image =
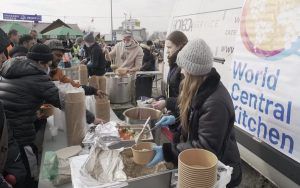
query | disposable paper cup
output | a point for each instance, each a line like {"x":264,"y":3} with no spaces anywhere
{"x":143,"y":152}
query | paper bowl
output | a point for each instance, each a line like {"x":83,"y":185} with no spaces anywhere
{"x":143,"y":152}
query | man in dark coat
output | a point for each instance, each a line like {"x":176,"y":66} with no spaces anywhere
{"x":97,"y":64}
{"x":24,"y":87}
{"x":12,"y":170}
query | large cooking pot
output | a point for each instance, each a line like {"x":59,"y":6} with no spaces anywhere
{"x":119,"y":88}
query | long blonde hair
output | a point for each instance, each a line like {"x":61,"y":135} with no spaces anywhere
{"x":188,"y":89}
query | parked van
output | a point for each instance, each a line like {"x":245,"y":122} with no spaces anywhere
{"x":256,"y":48}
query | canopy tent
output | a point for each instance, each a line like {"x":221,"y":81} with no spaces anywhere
{"x":63,"y":31}
{"x":9,"y":26}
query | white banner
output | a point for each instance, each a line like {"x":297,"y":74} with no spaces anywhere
{"x":265,"y":73}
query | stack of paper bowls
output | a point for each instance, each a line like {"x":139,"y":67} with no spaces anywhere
{"x":197,"y":168}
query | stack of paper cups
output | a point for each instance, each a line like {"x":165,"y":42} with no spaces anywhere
{"x":83,"y":75}
{"x":75,"y":117}
{"x":197,"y":168}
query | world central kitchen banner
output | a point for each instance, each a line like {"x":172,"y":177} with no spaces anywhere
{"x":265,"y":74}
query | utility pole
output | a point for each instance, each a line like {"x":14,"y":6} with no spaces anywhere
{"x":125,"y":25}
{"x":111,"y":21}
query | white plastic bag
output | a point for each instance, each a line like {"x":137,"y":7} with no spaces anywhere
{"x":59,"y":119}
{"x":90,"y":103}
{"x":106,"y":166}
{"x":52,"y":127}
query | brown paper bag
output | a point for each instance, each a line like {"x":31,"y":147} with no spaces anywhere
{"x":102,"y":107}
{"x":102,"y":83}
{"x":83,"y":75}
{"x":75,"y":96}
{"x":93,"y":81}
{"x":98,"y":82}
{"x":75,"y":122}
{"x":75,"y":117}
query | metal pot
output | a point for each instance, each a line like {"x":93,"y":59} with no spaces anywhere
{"x":119,"y":88}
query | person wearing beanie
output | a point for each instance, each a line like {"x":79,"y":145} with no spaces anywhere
{"x":175,"y":41}
{"x":97,"y":64}
{"x":206,"y":112}
{"x":56,"y":74}
{"x":9,"y":168}
{"x":24,"y":87}
{"x":127,"y":53}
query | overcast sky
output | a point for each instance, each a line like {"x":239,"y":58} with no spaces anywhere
{"x":153,"y":14}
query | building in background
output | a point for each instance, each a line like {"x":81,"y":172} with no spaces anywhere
{"x":42,"y":28}
{"x":134,"y":25}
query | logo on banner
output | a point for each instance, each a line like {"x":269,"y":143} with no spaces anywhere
{"x":269,"y":33}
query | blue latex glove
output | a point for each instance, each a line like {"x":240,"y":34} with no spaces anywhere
{"x":166,"y":121}
{"x":158,"y":157}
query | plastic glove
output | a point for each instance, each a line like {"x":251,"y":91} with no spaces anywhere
{"x":166,"y":121}
{"x":159,"y":156}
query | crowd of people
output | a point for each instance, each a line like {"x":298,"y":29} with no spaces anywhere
{"x":200,"y":110}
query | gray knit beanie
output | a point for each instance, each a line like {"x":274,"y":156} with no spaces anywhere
{"x":89,"y":37}
{"x":195,"y":58}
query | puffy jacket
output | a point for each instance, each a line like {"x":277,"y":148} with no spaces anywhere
{"x":24,"y":87}
{"x":211,"y":127}
{"x":3,"y":138}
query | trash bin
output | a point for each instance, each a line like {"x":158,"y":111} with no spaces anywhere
{"x":143,"y":86}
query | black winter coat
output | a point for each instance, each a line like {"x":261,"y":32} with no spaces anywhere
{"x":24,"y":87}
{"x":148,"y":61}
{"x":3,"y":138}
{"x":211,"y":120}
{"x":97,"y":65}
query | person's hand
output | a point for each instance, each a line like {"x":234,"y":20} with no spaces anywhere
{"x":131,"y":71}
{"x":159,"y":105}
{"x":101,"y":94}
{"x":41,"y":115}
{"x":8,"y":181}
{"x":166,"y":121}
{"x":158,"y":157}
{"x":83,"y":61}
{"x":98,"y":121}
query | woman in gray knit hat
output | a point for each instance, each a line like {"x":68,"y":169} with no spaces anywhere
{"x":206,"y":112}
